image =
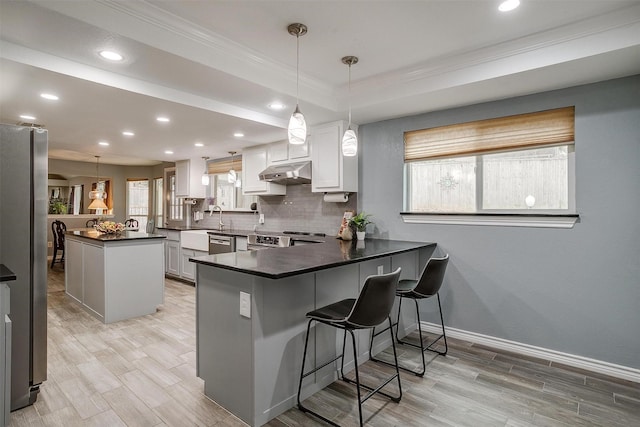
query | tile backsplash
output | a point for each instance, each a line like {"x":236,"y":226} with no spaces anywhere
{"x":299,"y":210}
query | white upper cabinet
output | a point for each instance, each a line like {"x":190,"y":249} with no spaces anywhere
{"x":254,"y":161}
{"x":189,"y":179}
{"x":283,"y":152}
{"x":330,"y":170}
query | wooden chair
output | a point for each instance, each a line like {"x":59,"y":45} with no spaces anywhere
{"x":58,"y":228}
{"x":131,"y":223}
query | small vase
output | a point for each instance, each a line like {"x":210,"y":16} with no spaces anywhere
{"x":360,"y":235}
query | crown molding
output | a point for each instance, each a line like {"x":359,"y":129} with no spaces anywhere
{"x":608,"y":32}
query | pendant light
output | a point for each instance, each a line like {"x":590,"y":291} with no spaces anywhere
{"x":350,"y":139}
{"x":205,"y":174}
{"x":297,"y":129}
{"x":232,"y":177}
{"x":98,"y":195}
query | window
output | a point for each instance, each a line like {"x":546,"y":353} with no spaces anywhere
{"x":138,"y":201}
{"x":511,"y":165}
{"x":226,"y":194}
{"x":158,"y":200}
{"x":175,"y":206}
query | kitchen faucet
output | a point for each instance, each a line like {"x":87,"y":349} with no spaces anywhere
{"x":220,"y":224}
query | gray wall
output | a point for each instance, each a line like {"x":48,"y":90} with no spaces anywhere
{"x":575,"y":291}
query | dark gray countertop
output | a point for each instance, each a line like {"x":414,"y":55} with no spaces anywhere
{"x":284,"y":262}
{"x":6,"y":275}
{"x":125,"y":235}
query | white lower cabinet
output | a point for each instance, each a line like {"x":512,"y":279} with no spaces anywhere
{"x":188,"y":268}
{"x":172,"y":253}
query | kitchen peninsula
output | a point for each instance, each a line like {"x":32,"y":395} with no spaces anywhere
{"x":250,"y":317}
{"x":115,"y":277}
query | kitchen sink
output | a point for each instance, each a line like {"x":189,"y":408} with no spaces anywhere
{"x":195,"y":239}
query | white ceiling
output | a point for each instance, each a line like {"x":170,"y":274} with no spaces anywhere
{"x":214,"y":66}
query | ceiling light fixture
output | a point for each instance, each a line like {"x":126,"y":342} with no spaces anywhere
{"x":98,"y":195}
{"x":128,"y":133}
{"x":205,"y":174}
{"x":508,"y":5}
{"x":349,"y":139}
{"x":238,"y":134}
{"x":276,"y":106}
{"x":297,"y":124}
{"x":104,"y":143}
{"x":163,"y":119}
{"x":199,"y":144}
{"x":168,"y":152}
{"x":111,"y":55}
{"x":27,"y":117}
{"x":49,"y":96}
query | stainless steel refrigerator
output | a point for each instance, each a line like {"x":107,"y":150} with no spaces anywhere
{"x":23,"y":248}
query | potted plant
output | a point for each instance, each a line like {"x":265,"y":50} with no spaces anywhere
{"x":360,"y":222}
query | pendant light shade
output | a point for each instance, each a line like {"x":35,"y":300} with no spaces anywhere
{"x":98,"y":195}
{"x":297,"y":129}
{"x":350,"y":139}
{"x":97,"y":204}
{"x":205,"y":174}
{"x":232,"y":176}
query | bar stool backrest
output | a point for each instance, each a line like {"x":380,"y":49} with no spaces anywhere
{"x":375,"y":301}
{"x":432,"y":277}
{"x":58,"y":228}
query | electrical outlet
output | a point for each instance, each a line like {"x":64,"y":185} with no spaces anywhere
{"x":49,"y":244}
{"x":380,"y":269}
{"x":261,"y":219}
{"x":245,"y":304}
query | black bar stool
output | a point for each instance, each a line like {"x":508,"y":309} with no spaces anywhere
{"x":372,"y":307}
{"x":425,"y":287}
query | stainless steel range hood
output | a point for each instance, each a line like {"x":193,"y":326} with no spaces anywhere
{"x":289,"y":173}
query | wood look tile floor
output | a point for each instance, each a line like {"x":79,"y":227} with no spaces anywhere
{"x":141,"y":372}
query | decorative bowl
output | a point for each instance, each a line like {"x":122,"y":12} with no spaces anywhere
{"x":109,"y":227}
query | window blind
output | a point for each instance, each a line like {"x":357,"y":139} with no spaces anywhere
{"x":224,"y":165}
{"x":521,"y":131}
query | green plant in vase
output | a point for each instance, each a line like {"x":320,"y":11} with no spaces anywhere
{"x":360,"y":222}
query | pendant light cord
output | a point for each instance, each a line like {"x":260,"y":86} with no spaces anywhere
{"x":297,"y":68}
{"x":349,"y":95}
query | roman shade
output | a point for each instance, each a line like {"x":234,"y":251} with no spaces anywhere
{"x":522,"y":131}
{"x":224,"y":165}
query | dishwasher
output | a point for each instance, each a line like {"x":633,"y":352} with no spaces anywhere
{"x":219,"y":244}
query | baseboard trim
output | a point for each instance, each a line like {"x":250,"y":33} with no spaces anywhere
{"x":593,"y":365}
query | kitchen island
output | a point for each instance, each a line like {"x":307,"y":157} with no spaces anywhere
{"x":250,"y":317}
{"x":115,"y":277}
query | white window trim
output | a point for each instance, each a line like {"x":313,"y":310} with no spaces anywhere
{"x":508,"y":220}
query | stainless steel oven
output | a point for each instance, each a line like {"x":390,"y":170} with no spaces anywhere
{"x":265,"y":241}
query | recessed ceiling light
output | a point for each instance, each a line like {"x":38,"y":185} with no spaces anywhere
{"x":163,"y":119}
{"x":508,"y":5}
{"x":104,"y":143}
{"x":27,"y":117}
{"x":276,"y":106}
{"x":238,"y":134}
{"x":168,"y":152}
{"x":49,"y":96}
{"x":199,"y":144}
{"x":128,"y":133}
{"x":111,"y":55}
